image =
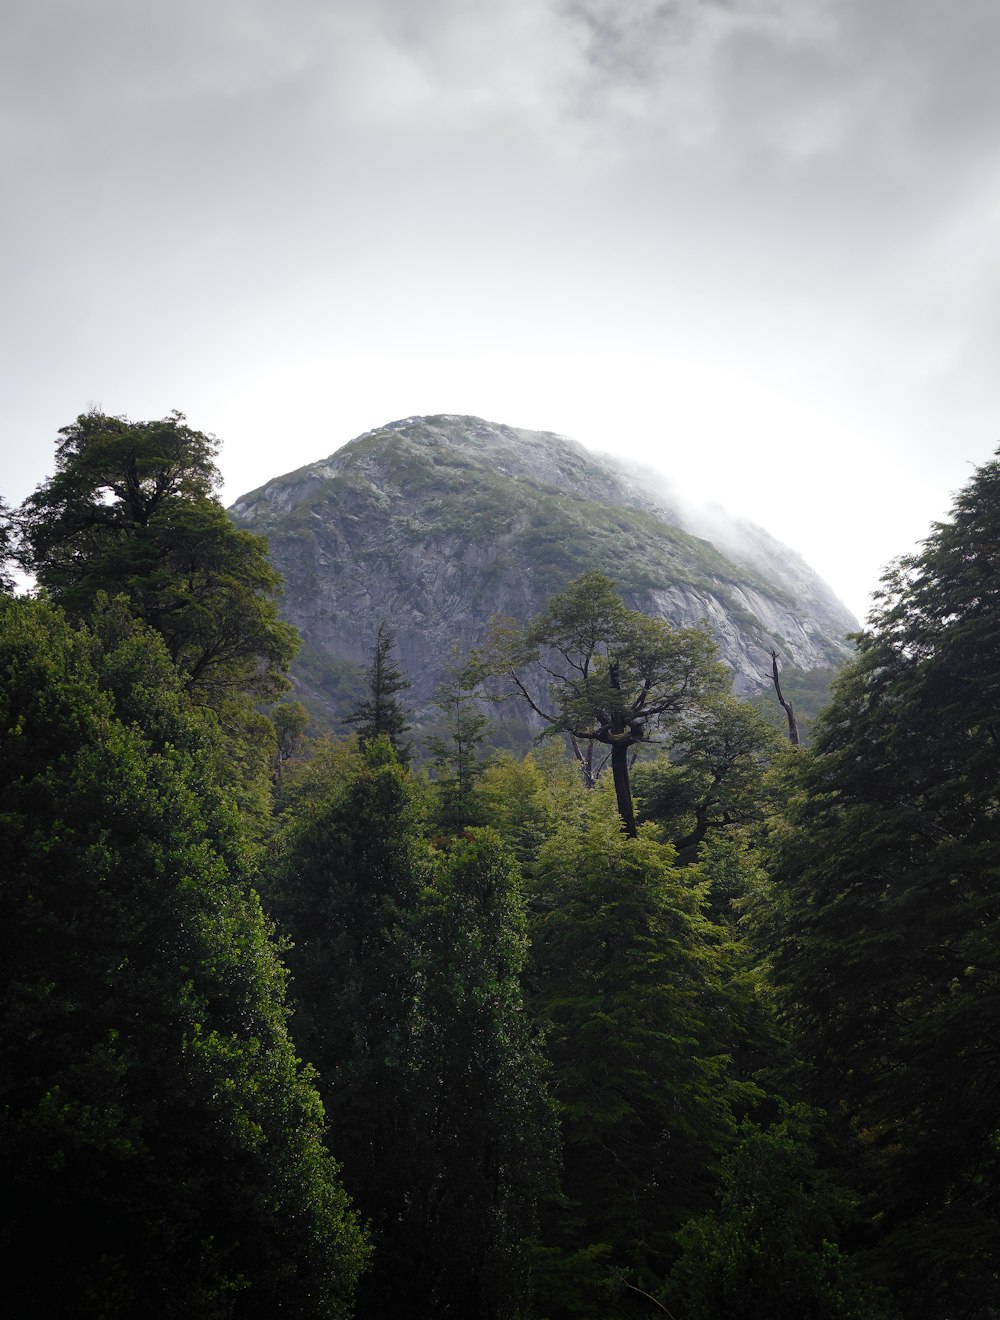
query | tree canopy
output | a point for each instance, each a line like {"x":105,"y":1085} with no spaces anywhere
{"x":884,"y":933}
{"x":559,"y":1065}
{"x":592,"y":669}
{"x":407,"y":963}
{"x":161,"y":1145}
{"x":632,"y":981}
{"x":131,"y":509}
{"x":712,"y":778}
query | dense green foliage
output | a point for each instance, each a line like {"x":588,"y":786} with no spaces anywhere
{"x":629,"y":978}
{"x":346,"y":889}
{"x":131,"y":510}
{"x":769,"y":1250}
{"x":407,"y":963}
{"x":883,"y":928}
{"x":161,"y":1147}
{"x":735,"y":1060}
{"x":711,"y":778}
{"x":290,"y":720}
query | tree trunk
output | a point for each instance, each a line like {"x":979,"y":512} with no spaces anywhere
{"x":620,"y":744}
{"x":623,"y":788}
{"x":586,"y":760}
{"x":793,"y":728}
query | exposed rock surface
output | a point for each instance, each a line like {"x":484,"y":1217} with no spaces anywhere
{"x":437,"y":523}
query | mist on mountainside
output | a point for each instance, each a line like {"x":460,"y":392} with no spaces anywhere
{"x":439,"y":523}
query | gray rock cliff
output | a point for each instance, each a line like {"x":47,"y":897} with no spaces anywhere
{"x":437,"y":523}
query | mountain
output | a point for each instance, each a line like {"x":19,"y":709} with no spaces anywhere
{"x":437,"y":523}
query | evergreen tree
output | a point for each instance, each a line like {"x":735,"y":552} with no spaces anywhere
{"x":161,"y":1146}
{"x":456,"y":750}
{"x":406,"y":967}
{"x":7,"y":537}
{"x":346,"y":890}
{"x":380,"y":713}
{"x":131,"y":509}
{"x":884,"y":930}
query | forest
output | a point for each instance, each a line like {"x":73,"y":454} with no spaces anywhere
{"x":667,"y":1016}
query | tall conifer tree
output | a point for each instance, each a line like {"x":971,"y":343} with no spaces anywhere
{"x":380,"y":713}
{"x":456,"y":749}
{"x":885,"y":930}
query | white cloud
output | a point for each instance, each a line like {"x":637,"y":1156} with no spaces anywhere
{"x":755,"y":235}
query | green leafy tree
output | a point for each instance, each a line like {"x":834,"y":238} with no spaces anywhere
{"x":131,"y":510}
{"x":770,"y":1248}
{"x":883,"y":927}
{"x":380,"y":713}
{"x":406,"y":966}
{"x":515,"y":798}
{"x":161,"y":1145}
{"x":613,"y":675}
{"x":713,"y":778}
{"x":487,"y":1131}
{"x":630,"y":979}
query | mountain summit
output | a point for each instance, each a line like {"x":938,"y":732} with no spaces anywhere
{"x":437,"y":523}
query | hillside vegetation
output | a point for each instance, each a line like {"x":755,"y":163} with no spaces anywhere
{"x":294,"y":1024}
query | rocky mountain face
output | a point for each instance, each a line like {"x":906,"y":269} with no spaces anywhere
{"x":437,"y":523}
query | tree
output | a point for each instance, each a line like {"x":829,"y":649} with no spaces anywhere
{"x":770,"y":1248}
{"x":290,"y":720}
{"x":629,"y":979}
{"x":161,"y":1145}
{"x":614,"y":675}
{"x":712,"y":778}
{"x":406,"y":964}
{"x":346,"y":888}
{"x":883,"y":927}
{"x":455,"y":750}
{"x":6,"y":549}
{"x":514,"y":797}
{"x":786,"y":706}
{"x":131,"y":510}
{"x":380,"y":712}
{"x":487,"y":1133}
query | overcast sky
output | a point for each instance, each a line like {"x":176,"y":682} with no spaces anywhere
{"x":754,"y":243}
